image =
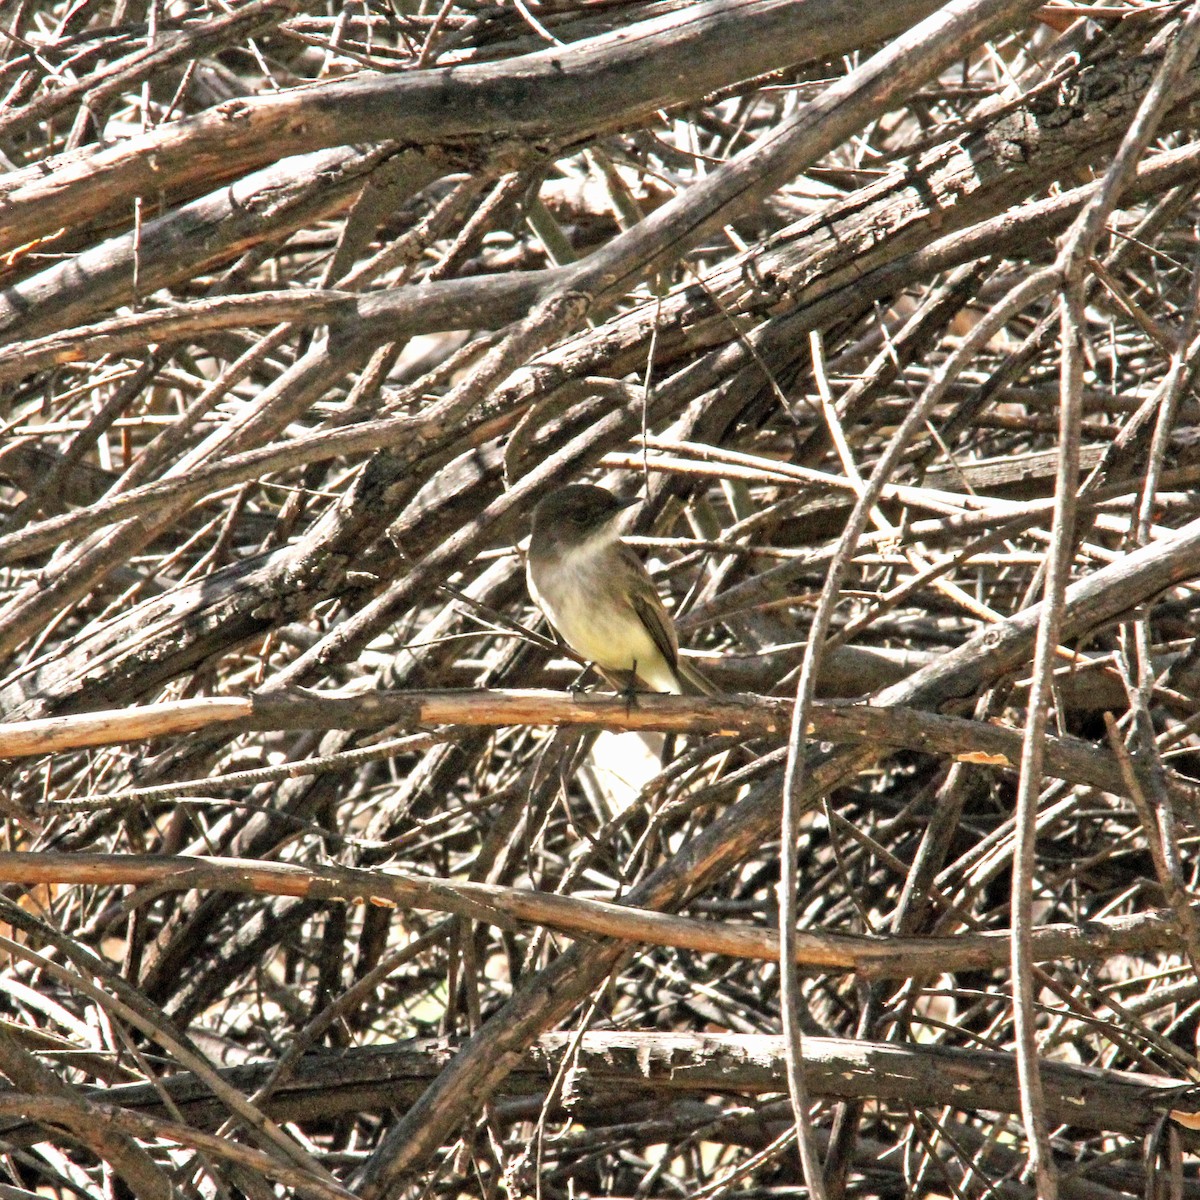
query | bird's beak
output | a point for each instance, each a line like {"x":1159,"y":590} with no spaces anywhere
{"x":617,"y":519}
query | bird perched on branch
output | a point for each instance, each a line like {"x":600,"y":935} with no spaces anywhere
{"x":599,"y":597}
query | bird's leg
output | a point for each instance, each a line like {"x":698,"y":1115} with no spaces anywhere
{"x":630,"y":690}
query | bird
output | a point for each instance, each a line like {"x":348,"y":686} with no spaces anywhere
{"x":599,"y":597}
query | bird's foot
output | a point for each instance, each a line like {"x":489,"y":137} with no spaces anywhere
{"x":577,"y":684}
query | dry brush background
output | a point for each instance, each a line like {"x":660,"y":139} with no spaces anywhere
{"x":305,"y":305}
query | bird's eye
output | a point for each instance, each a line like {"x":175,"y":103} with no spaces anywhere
{"x":579,"y":518}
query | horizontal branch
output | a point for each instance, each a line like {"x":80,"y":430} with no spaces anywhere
{"x":976,"y":742}
{"x":843,"y":1069}
{"x":622,"y":1068}
{"x":876,"y":958}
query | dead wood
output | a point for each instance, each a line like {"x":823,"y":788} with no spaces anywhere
{"x":317,"y":878}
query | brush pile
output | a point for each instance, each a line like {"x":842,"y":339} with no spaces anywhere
{"x":318,"y":879}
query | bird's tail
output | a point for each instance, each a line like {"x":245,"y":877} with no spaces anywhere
{"x":693,"y":681}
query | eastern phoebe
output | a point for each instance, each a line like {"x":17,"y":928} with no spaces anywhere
{"x":597,"y":594}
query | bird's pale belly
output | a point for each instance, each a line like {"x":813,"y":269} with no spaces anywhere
{"x":610,"y":635}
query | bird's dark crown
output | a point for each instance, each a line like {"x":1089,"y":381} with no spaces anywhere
{"x":571,"y":514}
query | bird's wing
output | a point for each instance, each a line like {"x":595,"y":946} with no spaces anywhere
{"x":650,"y":609}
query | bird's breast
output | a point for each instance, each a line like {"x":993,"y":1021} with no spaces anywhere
{"x":584,"y":597}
